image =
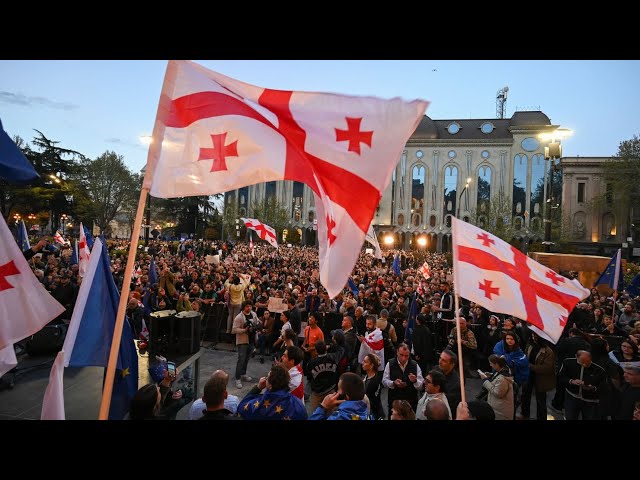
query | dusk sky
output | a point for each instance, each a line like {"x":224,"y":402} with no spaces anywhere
{"x":94,"y":106}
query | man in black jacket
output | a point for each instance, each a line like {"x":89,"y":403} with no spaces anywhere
{"x":322,"y":376}
{"x":581,"y":379}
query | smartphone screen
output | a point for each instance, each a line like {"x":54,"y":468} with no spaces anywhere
{"x":171,"y":367}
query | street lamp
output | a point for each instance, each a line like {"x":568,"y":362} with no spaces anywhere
{"x":237,"y":228}
{"x":63,"y":219}
{"x":552,"y":152}
{"x":466,"y":186}
{"x":17,"y":217}
{"x":388,"y":240}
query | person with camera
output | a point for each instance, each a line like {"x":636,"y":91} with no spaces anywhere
{"x":245,"y":326}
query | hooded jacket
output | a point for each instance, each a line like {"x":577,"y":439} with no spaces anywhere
{"x":347,"y":410}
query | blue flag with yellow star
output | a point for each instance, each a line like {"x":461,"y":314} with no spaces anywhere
{"x":95,"y":322}
{"x":612,"y":275}
{"x":278,"y":405}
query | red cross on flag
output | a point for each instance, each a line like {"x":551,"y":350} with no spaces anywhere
{"x":265,"y":232}
{"x":496,"y":275}
{"x":25,"y":306}
{"x":214,"y":134}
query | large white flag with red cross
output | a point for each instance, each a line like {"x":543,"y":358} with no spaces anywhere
{"x":264,"y":231}
{"x":25,"y":306}
{"x":214,"y":133}
{"x":496,"y":275}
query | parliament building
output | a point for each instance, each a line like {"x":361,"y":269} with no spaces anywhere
{"x":454,"y":168}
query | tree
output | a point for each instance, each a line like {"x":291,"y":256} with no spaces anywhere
{"x":191,"y":214}
{"x":495,"y":216}
{"x":621,"y":175}
{"x":108,"y":183}
{"x":293,"y":236}
{"x":56,"y":167}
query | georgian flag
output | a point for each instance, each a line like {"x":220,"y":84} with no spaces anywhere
{"x":425,"y":271}
{"x":373,"y":343}
{"x":264,"y":231}
{"x":214,"y":134}
{"x":25,"y":306}
{"x":59,"y":239}
{"x":492,"y":273}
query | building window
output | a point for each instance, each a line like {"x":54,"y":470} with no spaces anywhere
{"x":450,"y":186}
{"x":609,"y":194}
{"x":519,"y":184}
{"x":296,"y":200}
{"x":417,"y":190}
{"x":484,"y":188}
{"x":269,"y":190}
{"x":537,"y":185}
{"x":581,"y":187}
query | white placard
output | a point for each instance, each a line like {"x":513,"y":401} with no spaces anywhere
{"x":277,"y":305}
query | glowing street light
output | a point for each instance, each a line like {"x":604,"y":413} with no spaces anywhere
{"x":422,"y":241}
{"x":388,"y":240}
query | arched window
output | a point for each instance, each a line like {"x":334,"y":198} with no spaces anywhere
{"x":537,"y":185}
{"x":519,"y":184}
{"x":417,"y":192}
{"x":450,"y":186}
{"x":484,"y":187}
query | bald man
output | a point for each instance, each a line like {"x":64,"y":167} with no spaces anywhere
{"x":230,"y":403}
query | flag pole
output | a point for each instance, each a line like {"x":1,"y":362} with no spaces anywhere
{"x":460,"y":363}
{"x":122,"y":307}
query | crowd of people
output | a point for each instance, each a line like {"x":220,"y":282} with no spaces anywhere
{"x":346,"y":350}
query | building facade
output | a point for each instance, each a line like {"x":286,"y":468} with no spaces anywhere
{"x":597,"y":228}
{"x":448,"y":168}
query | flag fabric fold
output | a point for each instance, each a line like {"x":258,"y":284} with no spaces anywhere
{"x":25,"y":306}
{"x":88,"y":340}
{"x":492,"y":273}
{"x":22,"y":237}
{"x":59,"y":238}
{"x":14,"y":166}
{"x":353,"y":287}
{"x":84,"y":255}
{"x":395,"y":267}
{"x":153,"y":274}
{"x":612,"y":275}
{"x":264,"y":231}
{"x":425,"y":271}
{"x":74,"y":254}
{"x":214,"y":134}
{"x":89,"y":238}
{"x":373,"y":240}
{"x":634,"y":287}
{"x":411,"y":323}
{"x":373,"y":343}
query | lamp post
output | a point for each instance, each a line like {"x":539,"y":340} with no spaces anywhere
{"x":238,"y":228}
{"x":17,"y":217}
{"x":63,"y":222}
{"x":552,"y":152}
{"x":466,"y":186}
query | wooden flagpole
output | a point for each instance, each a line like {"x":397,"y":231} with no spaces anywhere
{"x":122,"y":307}
{"x":460,"y":363}
{"x":152,"y":159}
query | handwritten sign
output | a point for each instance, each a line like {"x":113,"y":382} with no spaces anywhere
{"x":277,"y":305}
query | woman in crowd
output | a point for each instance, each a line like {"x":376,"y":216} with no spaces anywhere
{"x":542,"y":378}
{"x":500,"y":388}
{"x":372,"y":384}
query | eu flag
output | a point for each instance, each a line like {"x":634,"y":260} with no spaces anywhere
{"x":353,"y":287}
{"x":89,"y":238}
{"x":396,"y":265}
{"x":153,"y":274}
{"x":634,"y":287}
{"x":411,"y":324}
{"x":88,"y":341}
{"x":22,"y":237}
{"x":14,"y":166}
{"x":612,"y":275}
